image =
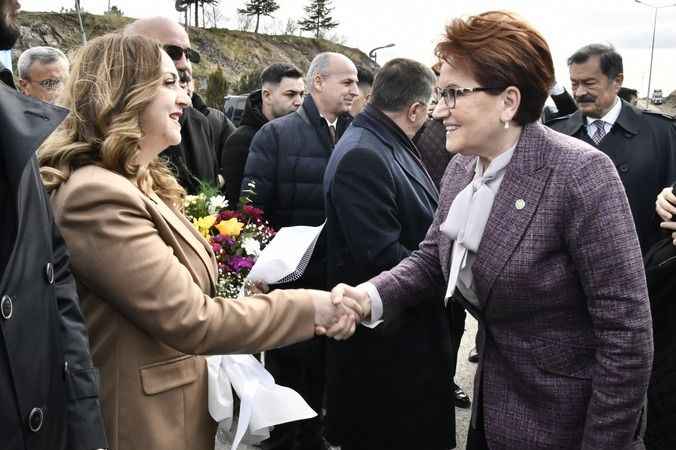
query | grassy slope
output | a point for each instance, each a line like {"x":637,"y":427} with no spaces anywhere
{"x":237,"y":52}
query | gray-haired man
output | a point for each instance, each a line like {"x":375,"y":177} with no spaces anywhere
{"x":42,"y":73}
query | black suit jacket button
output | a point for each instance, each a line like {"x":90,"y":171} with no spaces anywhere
{"x":624,"y":168}
{"x":49,"y":273}
{"x":6,"y":307}
{"x":35,"y":419}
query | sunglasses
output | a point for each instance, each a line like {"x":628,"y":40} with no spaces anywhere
{"x":175,"y":52}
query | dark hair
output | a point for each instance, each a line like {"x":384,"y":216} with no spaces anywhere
{"x":400,"y":83}
{"x":500,"y":50}
{"x":610,"y":61}
{"x":275,"y":72}
{"x":626,"y":94}
{"x":364,"y":75}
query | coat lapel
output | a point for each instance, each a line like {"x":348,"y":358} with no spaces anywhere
{"x":189,"y":235}
{"x":514,"y":207}
{"x":416,"y":171}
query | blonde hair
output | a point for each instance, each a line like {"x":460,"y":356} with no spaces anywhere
{"x":113,"y":79}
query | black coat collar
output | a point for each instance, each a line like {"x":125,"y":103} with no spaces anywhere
{"x":6,"y":76}
{"x":629,"y":120}
{"x":393,"y":137}
{"x":253,"y":111}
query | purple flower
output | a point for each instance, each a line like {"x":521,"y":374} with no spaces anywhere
{"x":216,"y":247}
{"x":239,"y":263}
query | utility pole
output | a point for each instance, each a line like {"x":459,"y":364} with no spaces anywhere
{"x":79,"y":16}
{"x":652,"y":45}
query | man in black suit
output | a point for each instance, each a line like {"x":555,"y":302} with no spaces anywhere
{"x":642,"y":144}
{"x":388,"y":387}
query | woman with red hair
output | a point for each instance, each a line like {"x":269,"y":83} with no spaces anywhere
{"x":534,"y":237}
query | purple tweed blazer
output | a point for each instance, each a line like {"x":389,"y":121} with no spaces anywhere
{"x":565,"y":328}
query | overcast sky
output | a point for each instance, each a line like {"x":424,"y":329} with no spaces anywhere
{"x":415,"y":25}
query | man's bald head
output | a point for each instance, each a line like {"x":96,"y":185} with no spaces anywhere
{"x":164,"y":30}
{"x":332,"y":79}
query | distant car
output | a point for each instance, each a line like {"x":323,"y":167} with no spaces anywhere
{"x":233,"y":107}
{"x":657,"y":98}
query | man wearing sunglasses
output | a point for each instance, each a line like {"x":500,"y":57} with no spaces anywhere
{"x":42,"y":73}
{"x":194,"y":159}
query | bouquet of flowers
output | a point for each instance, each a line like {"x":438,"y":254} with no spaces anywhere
{"x":237,"y":236}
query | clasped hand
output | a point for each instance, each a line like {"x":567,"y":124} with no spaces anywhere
{"x":338,"y":312}
{"x":665,"y":206}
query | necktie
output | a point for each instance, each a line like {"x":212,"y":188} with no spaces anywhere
{"x":332,"y":135}
{"x":600,"y":131}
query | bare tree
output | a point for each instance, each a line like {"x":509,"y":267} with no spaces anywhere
{"x":244,"y":22}
{"x":291,"y":27}
{"x":214,"y":15}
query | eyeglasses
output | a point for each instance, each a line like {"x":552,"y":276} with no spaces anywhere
{"x":50,"y":84}
{"x":175,"y":52}
{"x":450,"y":94}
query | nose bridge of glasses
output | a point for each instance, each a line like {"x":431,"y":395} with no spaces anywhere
{"x":446,"y":96}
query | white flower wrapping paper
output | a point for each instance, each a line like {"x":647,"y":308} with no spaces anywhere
{"x":263,"y":404}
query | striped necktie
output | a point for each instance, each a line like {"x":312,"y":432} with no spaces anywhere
{"x":600,"y":131}
{"x":332,"y":135}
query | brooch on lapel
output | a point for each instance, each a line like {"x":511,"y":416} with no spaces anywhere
{"x":520,"y":204}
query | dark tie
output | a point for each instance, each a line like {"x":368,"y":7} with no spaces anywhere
{"x":332,"y":135}
{"x":600,"y":131}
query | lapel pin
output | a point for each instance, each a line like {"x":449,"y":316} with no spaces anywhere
{"x":520,"y":204}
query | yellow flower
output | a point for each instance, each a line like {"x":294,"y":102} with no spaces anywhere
{"x":231,"y":227}
{"x":203,"y":224}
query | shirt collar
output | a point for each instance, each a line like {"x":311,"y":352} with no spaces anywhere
{"x":334,"y":123}
{"x":611,"y":116}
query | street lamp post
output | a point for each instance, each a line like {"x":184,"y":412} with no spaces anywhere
{"x":652,"y":45}
{"x":372,"y":53}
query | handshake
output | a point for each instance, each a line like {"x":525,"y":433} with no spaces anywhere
{"x":338,"y":312}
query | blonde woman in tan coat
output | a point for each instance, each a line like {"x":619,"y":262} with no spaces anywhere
{"x":146,"y":279}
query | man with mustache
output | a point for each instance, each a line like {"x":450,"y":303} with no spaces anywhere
{"x":642,"y":144}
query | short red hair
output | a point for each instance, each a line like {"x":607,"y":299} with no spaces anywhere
{"x":499,"y":49}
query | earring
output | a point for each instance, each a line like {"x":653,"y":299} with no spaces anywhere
{"x":506,"y":126}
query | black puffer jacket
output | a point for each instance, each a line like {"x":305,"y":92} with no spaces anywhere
{"x":287,"y":159}
{"x":236,"y":148}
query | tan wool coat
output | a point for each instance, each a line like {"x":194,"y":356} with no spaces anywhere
{"x":146,"y":281}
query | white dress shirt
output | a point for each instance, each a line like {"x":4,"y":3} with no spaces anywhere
{"x":608,"y":120}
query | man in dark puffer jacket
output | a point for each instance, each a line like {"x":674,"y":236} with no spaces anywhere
{"x":286,"y":162}
{"x":281,"y":93}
